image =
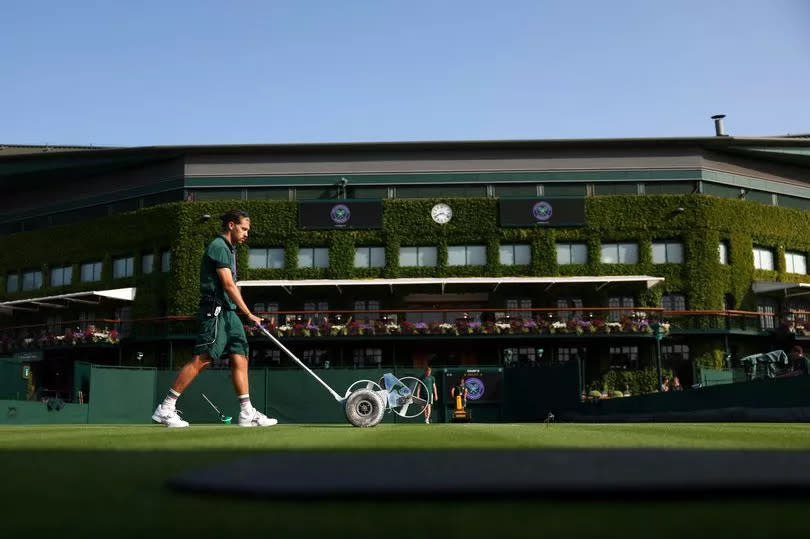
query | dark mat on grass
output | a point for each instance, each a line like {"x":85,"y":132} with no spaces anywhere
{"x":558,"y":473}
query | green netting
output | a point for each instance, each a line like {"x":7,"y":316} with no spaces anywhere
{"x":121,"y":395}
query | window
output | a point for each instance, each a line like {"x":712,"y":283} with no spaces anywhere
{"x":515,"y":254}
{"x":123,"y":267}
{"x":417,"y":256}
{"x":458,"y":190}
{"x":62,"y":276}
{"x":669,"y":188}
{"x":675,"y":352}
{"x":524,"y":356}
{"x":264,"y":309}
{"x":502,"y":190}
{"x":519,"y":308}
{"x":369,"y":257}
{"x":147,"y":263}
{"x":313,"y":257}
{"x":795,"y":262}
{"x":567,"y":303}
{"x":90,"y":272}
{"x":623,"y":357}
{"x":316,"y":311}
{"x":763,"y":258}
{"x":13,"y":283}
{"x":367,"y":305}
{"x":371,"y":357}
{"x":166,"y":261}
{"x":54,"y":323}
{"x":266,"y":258}
{"x":619,"y":253}
{"x":667,"y":252}
{"x":673,"y":302}
{"x":124,"y":314}
{"x":466,"y":255}
{"x":572,"y":253}
{"x":620,"y":301}
{"x":767,"y":309}
{"x":722,"y":252}
{"x":618,"y":188}
{"x":564,"y":189}
{"x":564,"y":355}
{"x":32,"y":280}
{"x":315,"y":357}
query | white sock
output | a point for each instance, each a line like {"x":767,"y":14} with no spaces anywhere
{"x":171,"y":399}
{"x":244,"y":403}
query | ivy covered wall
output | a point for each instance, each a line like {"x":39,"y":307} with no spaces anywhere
{"x":702,"y":224}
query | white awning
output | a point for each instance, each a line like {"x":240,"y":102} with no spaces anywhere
{"x":63,"y":301}
{"x":601,"y":281}
{"x":786,"y":289}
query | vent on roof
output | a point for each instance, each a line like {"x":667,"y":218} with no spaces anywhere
{"x":719,"y":130}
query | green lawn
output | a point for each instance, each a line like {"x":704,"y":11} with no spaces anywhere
{"x":100,"y":480}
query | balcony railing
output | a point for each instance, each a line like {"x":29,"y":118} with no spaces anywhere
{"x":408,"y":322}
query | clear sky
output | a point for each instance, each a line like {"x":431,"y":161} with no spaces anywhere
{"x":148,"y":72}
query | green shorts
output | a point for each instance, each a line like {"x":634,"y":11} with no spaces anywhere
{"x":221,"y":335}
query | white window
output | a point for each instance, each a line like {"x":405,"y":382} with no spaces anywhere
{"x":367,"y":305}
{"x":90,"y":272}
{"x":54,"y":323}
{"x":262,"y":309}
{"x":572,"y":253}
{"x":675,"y":352}
{"x":673,"y":302}
{"x":722,"y":252}
{"x":667,"y":252}
{"x":515,"y":254}
{"x":466,"y":255}
{"x":417,"y":256}
{"x":166,"y":261}
{"x":32,"y":280}
{"x":620,"y":301}
{"x":619,"y":253}
{"x":313,"y":257}
{"x":371,"y":357}
{"x":519,"y":308}
{"x":148,"y":263}
{"x":566,"y":303}
{"x":316,"y":310}
{"x":13,"y":283}
{"x":766,"y":307}
{"x":266,"y":258}
{"x":123,"y":267}
{"x":763,"y":258}
{"x":795,"y":263}
{"x":623,"y":356}
{"x":62,"y":276}
{"x":369,"y":257}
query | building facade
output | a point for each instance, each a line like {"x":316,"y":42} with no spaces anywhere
{"x":621,"y":256}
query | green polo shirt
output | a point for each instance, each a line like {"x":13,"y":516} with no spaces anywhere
{"x":219,"y":254}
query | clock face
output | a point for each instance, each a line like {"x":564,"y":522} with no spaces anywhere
{"x":441,"y":213}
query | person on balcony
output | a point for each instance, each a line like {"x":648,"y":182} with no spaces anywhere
{"x":798,"y":362}
{"x":221,"y":331}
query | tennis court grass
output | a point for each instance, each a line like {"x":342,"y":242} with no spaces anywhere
{"x":94,"y":481}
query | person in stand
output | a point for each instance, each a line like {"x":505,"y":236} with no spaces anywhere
{"x":460,"y":390}
{"x":432,"y":393}
{"x":676,"y":384}
{"x":665,"y":384}
{"x":798,"y":362}
{"x":221,"y":331}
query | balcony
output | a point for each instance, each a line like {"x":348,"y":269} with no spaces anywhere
{"x":585,"y":322}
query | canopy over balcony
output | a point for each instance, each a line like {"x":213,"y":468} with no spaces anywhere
{"x":63,"y":301}
{"x":781,"y":289}
{"x":600,"y":281}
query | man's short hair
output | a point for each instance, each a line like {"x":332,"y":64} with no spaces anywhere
{"x":233,"y":216}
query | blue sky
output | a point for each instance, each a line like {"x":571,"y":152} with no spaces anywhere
{"x":215,"y":72}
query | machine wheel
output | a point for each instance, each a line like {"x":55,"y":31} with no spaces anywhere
{"x":362,"y":384}
{"x":413,"y":406}
{"x":364,"y":408}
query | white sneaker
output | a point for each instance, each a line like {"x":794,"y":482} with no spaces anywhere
{"x":168,"y":416}
{"x":427,"y":420}
{"x":254,"y":418}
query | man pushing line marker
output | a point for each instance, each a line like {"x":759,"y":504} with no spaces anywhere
{"x":221,"y":330}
